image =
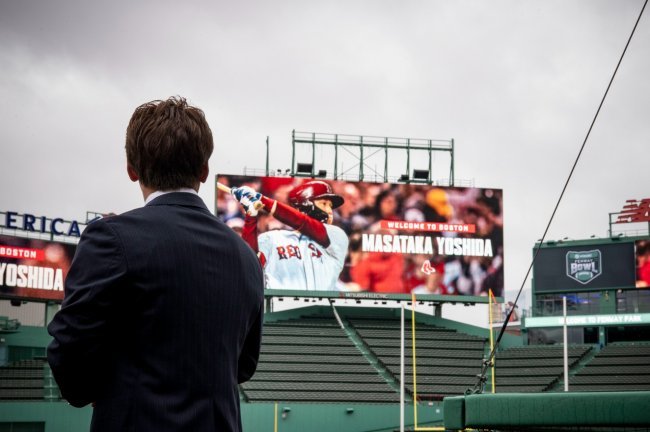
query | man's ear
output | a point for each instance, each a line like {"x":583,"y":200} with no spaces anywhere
{"x":132,"y":174}
{"x":205,"y":171}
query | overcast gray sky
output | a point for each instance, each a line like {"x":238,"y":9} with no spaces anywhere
{"x":514,"y":82}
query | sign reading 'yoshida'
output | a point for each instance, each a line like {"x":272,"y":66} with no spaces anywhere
{"x":33,"y":269}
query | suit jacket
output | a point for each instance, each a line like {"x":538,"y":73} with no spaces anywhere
{"x":161,"y":320}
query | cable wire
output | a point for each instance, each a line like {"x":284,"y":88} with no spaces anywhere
{"x":478,"y":388}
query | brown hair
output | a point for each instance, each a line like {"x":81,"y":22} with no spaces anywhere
{"x":168,"y":143}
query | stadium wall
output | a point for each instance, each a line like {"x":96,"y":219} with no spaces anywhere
{"x":44,"y":417}
{"x":259,"y":417}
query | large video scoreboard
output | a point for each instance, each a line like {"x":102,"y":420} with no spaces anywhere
{"x":593,"y":265}
{"x":384,"y":238}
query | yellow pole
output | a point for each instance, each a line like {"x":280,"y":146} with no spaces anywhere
{"x":415,"y":387}
{"x":275,"y":419}
{"x":490,"y":298}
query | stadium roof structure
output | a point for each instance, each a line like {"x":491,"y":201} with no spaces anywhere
{"x":359,"y":149}
{"x":361,"y":296}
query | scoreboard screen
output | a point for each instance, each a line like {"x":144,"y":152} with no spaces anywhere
{"x":382,"y":237}
{"x":587,"y":267}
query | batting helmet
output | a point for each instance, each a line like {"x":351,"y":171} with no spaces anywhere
{"x":302,"y":198}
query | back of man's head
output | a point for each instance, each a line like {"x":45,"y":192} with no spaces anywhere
{"x":168,"y":144}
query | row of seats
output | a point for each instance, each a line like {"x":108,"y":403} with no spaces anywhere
{"x":446,"y":361}
{"x":311,"y":359}
{"x":617,"y":367}
{"x":534,"y":368}
{"x":23,"y":380}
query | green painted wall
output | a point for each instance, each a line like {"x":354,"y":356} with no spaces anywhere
{"x":58,"y":416}
{"x":61,"y":417}
{"x":335,"y":417}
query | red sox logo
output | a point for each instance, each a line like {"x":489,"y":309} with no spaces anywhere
{"x":427,"y":268}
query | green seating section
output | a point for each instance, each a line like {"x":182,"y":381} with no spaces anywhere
{"x":447,"y":361}
{"x":22,"y":380}
{"x":533,"y":368}
{"x":311,"y":359}
{"x":617,"y":367}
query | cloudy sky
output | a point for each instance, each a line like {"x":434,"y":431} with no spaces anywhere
{"x":516,"y":83}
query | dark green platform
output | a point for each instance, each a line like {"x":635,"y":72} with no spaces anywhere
{"x":519,"y":411}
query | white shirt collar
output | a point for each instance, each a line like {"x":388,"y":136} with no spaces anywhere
{"x":156,"y":194}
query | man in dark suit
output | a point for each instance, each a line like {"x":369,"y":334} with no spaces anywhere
{"x":162,"y":315}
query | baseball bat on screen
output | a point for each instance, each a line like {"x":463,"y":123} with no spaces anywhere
{"x":252,"y":210}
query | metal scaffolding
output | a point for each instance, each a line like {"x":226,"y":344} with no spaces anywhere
{"x":367,"y":147}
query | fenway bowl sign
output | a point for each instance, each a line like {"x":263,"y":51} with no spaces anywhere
{"x":584,"y":266}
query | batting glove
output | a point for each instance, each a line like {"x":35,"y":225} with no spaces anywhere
{"x":249,"y":198}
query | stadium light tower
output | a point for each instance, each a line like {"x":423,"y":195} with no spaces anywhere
{"x":368,"y":146}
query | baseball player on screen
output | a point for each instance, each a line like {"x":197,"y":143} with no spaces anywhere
{"x":309,"y":257}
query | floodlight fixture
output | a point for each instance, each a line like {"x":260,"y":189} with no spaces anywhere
{"x":304,"y":168}
{"x":421,"y":175}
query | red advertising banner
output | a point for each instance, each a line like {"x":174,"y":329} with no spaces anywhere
{"x":18,"y":252}
{"x":326,"y":235}
{"x":33,"y":269}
